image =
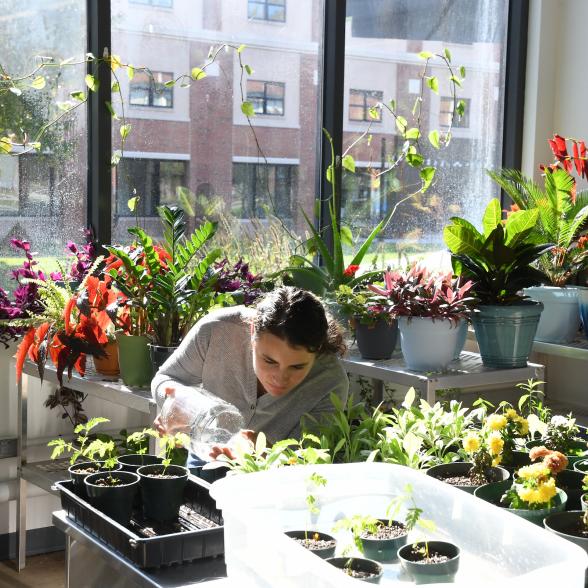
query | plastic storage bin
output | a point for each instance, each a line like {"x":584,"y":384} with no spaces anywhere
{"x":498,"y":548}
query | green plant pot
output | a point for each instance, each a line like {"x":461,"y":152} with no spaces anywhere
{"x":384,"y":550}
{"x":462,"y":468}
{"x":580,"y":445}
{"x":135,"y":363}
{"x":115,"y":502}
{"x":376,"y":341}
{"x":159,"y":355}
{"x":162,"y":497}
{"x":581,"y":466}
{"x":360,"y":564}
{"x":323,"y":553}
{"x":493,"y":492}
{"x":505,"y":333}
{"x":430,"y":573}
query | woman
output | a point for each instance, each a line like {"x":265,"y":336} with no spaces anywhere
{"x":275,"y":363}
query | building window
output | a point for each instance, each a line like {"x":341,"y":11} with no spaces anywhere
{"x":272,"y":10}
{"x":158,"y":3}
{"x":360,"y":102}
{"x":266,"y":97}
{"x":446,"y":109}
{"x":254,"y":183}
{"x":151,"y":91}
{"x":154,"y":180}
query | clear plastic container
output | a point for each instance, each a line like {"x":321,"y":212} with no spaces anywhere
{"x":498,"y":548}
{"x":207,"y":419}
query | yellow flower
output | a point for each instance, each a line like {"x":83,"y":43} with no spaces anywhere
{"x":546,"y":491}
{"x":496,"y":422}
{"x":496,"y":461}
{"x":495,"y":443}
{"x":527,"y":494}
{"x":511,"y":414}
{"x":585,"y":482}
{"x":471,"y":443}
{"x":523,"y":426}
{"x":532,"y":472}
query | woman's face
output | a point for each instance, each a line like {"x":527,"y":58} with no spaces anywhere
{"x":279,"y":366}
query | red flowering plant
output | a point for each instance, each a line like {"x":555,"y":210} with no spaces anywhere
{"x":562,"y":210}
{"x":419,"y":292}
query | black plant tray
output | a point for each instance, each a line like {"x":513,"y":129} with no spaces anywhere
{"x":197,"y":533}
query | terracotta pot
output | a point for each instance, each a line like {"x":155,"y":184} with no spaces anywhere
{"x":108,"y":366}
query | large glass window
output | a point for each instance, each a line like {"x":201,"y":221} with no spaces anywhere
{"x":43,"y":192}
{"x":149,"y":89}
{"x":362,"y":105}
{"x":272,"y":10}
{"x":383,"y":40}
{"x":266,"y":97}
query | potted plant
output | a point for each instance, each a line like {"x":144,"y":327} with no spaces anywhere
{"x":359,"y":568}
{"x":135,"y":453}
{"x":167,"y":289}
{"x":162,"y":485}
{"x":498,"y":262}
{"x":484,"y":450}
{"x":374,"y":325}
{"x":571,"y":525}
{"x":429,"y":308}
{"x":533,"y":493}
{"x":561,"y":220}
{"x":321,"y":544}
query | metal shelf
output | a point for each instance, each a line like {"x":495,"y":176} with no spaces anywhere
{"x":45,"y":473}
{"x":577,"y":349}
{"x":466,"y":372}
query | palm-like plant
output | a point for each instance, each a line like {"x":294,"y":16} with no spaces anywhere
{"x":561,"y":219}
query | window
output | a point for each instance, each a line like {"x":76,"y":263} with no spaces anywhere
{"x":253,"y":184}
{"x":272,"y":10}
{"x":266,"y":97}
{"x":445,"y":110}
{"x":360,"y":102}
{"x":158,"y":3}
{"x":154,"y":181}
{"x":151,"y":91}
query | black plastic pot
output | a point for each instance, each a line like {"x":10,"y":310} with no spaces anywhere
{"x":430,"y":573}
{"x":115,"y":502}
{"x":162,"y":497}
{"x":133,"y":461}
{"x":159,"y":355}
{"x":376,"y":341}
{"x":571,"y":483}
{"x":581,"y":466}
{"x":384,"y":550}
{"x":324,"y":553}
{"x":462,"y":468}
{"x":78,"y":478}
{"x":359,"y":564}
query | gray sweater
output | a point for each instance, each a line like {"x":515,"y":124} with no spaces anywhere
{"x":217,"y":356}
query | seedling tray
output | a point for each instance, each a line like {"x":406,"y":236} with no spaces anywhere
{"x":197,"y":533}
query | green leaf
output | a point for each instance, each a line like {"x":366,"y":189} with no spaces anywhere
{"x":348,"y":163}
{"x":130,"y":72}
{"x":455,"y":80}
{"x":125,"y":130}
{"x":16,"y":91}
{"x":247,"y":109}
{"x":329,"y":174}
{"x":460,"y":108}
{"x":115,"y":87}
{"x":374,"y":113}
{"x":412,"y":133}
{"x":462,"y":71}
{"x":434,"y":139}
{"x":78,"y":95}
{"x":240,"y":48}
{"x":401,"y":124}
{"x":447,"y":54}
{"x":65,"y":106}
{"x":132,"y":203}
{"x":425,"y":55}
{"x":116,"y":155}
{"x":427,"y":174}
{"x":197,"y":73}
{"x":248,"y":69}
{"x":492,"y":216}
{"x":392,"y":105}
{"x":110,"y":109}
{"x":346,"y":236}
{"x":92,"y":82}
{"x":170,"y":83}
{"x":38,"y":83}
{"x":413,"y":157}
{"x":433,"y":83}
{"x":5,"y":145}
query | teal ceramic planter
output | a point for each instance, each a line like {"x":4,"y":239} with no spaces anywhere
{"x":493,"y":492}
{"x":384,"y":550}
{"x":505,"y":333}
{"x":135,"y":362}
{"x":560,"y":322}
{"x":462,"y":468}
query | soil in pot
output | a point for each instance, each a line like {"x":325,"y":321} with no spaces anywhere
{"x":459,"y":474}
{"x":320,"y":544}
{"x":360,"y":568}
{"x":162,"y":489}
{"x":79,"y":471}
{"x":115,"y":500}
{"x":430,"y":562}
{"x":383,"y":545}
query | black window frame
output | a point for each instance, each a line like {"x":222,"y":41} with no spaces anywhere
{"x":365,"y":94}
{"x":266,"y":4}
{"x":264,"y":98}
{"x":153,"y":90}
{"x":99,"y":205}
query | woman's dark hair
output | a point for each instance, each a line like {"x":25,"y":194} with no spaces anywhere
{"x":298,"y":317}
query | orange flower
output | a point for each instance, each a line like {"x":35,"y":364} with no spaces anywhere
{"x":351,"y":271}
{"x":556,"y":462}
{"x":538,"y":452}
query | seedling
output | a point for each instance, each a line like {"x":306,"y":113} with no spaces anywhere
{"x":315,"y":480}
{"x":531,"y":402}
{"x":358,"y":525}
{"x":82,"y":446}
{"x":168,"y":444}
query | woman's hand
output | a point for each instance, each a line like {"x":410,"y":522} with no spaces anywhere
{"x":246,"y":435}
